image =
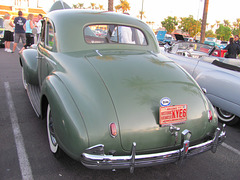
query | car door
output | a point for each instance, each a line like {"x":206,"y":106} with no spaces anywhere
{"x":202,"y":69}
{"x":45,"y":49}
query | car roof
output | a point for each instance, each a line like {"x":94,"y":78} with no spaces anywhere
{"x":74,"y":13}
{"x":69,"y":26}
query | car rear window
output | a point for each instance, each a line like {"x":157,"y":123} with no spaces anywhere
{"x":104,"y":34}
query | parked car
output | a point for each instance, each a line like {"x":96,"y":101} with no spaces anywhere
{"x":211,"y":41}
{"x":219,"y":77}
{"x":222,"y":44}
{"x":2,"y":41}
{"x":100,"y":32}
{"x":164,"y":38}
{"x":114,"y":101}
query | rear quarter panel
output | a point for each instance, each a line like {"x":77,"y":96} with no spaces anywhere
{"x":69,"y":126}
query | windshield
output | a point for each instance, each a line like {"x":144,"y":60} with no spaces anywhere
{"x":104,"y":34}
{"x":193,"y":47}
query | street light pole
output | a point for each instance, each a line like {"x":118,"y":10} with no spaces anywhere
{"x":204,"y":21}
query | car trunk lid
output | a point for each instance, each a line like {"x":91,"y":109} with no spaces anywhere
{"x":136,"y":84}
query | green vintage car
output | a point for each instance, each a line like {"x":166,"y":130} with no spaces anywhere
{"x":113,"y":101}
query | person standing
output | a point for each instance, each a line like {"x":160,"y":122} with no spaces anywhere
{"x":39,"y":25}
{"x":28,"y":26}
{"x":19,"y":31}
{"x":236,"y":41}
{"x":8,"y":33}
{"x":232,"y":48}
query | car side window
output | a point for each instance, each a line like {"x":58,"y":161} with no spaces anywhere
{"x":50,"y":40}
{"x":103,"y":34}
{"x":42,"y":35}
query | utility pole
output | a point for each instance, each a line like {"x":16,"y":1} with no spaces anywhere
{"x":204,"y":21}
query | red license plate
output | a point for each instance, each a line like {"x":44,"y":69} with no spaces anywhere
{"x":172,"y":115}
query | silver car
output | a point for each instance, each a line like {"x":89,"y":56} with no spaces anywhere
{"x":218,"y":77}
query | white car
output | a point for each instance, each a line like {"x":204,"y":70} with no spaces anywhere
{"x":218,"y":77}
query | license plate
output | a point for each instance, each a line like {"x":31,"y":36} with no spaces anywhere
{"x":172,"y":115}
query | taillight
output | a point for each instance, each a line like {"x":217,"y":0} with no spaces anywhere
{"x":186,"y":145}
{"x":113,"y":129}
{"x":210,"y":117}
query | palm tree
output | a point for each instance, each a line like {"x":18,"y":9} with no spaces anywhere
{"x":226,"y":23}
{"x":75,"y":6}
{"x":212,"y":26}
{"x":218,"y":22}
{"x":123,"y":6}
{"x":110,"y":5}
{"x":93,"y":5}
{"x":141,"y":15}
{"x":150,"y":23}
{"x":19,"y":2}
{"x":16,"y":2}
{"x":101,"y":7}
{"x":80,"y":5}
{"x":238,"y":20}
{"x":204,"y":21}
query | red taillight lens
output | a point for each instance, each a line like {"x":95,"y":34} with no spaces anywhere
{"x":113,"y":129}
{"x":210,"y":117}
{"x":186,"y":144}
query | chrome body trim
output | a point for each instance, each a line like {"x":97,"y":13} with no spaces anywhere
{"x":99,"y":160}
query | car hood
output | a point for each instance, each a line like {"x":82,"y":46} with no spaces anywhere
{"x":179,"y":37}
{"x":136,"y":84}
{"x":161,"y":35}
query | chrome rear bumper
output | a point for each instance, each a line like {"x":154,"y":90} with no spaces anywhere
{"x":95,"y":158}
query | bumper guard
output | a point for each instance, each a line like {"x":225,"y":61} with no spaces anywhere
{"x":95,"y":158}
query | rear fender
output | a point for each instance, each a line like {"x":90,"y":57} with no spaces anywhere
{"x":29,"y":62}
{"x":68,"y":124}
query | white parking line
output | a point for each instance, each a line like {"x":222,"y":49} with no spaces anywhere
{"x":22,"y":155}
{"x":231,"y":148}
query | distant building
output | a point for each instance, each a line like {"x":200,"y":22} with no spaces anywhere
{"x":13,"y":10}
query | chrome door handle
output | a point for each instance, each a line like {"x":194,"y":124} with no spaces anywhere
{"x":39,"y":57}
